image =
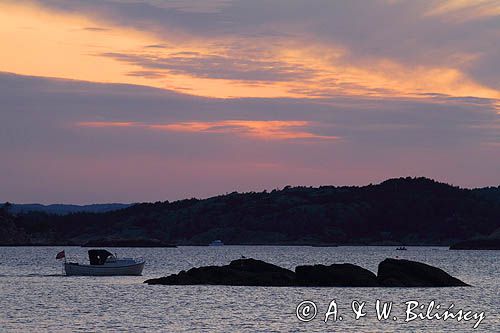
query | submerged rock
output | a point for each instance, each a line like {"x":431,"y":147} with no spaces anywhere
{"x":241,"y":272}
{"x":336,"y":275}
{"x":407,"y":273}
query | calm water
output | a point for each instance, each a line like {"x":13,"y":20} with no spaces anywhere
{"x":35,"y":296}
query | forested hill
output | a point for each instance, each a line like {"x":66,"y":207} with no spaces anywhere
{"x":62,"y":209}
{"x":406,"y":210}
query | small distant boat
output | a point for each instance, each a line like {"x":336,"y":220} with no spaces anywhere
{"x":104,"y":263}
{"x":217,"y":242}
{"x":402,"y":248}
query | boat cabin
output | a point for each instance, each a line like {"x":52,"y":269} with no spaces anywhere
{"x":99,"y":257}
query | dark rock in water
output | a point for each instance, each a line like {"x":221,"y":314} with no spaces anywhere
{"x":241,"y":272}
{"x":127,"y":243}
{"x":251,"y":272}
{"x":337,"y":275}
{"x":477,"y":244}
{"x":406,"y":273}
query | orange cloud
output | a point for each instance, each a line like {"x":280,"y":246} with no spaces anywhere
{"x":42,"y":42}
{"x":259,"y":129}
{"x":106,"y":124}
{"x":37,"y":41}
{"x":464,"y":10}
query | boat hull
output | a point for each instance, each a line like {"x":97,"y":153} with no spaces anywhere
{"x":73,"y":269}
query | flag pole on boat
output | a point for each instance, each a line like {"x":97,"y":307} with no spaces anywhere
{"x":61,"y":255}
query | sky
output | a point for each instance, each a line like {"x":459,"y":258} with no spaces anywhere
{"x":132,"y":101}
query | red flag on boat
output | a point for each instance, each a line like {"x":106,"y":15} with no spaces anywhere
{"x":60,"y":255}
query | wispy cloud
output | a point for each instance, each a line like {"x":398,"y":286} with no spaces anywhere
{"x":463,"y":10}
{"x":399,"y":48}
{"x":112,"y":138}
{"x":258,"y":129}
{"x":96,"y":29}
{"x":106,"y":124}
{"x":313,"y":92}
{"x":217,"y":66}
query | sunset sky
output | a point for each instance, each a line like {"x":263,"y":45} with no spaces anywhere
{"x":129,"y":100}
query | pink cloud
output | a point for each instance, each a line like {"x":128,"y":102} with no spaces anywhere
{"x":259,"y":129}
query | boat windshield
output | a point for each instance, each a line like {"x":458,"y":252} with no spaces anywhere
{"x":98,"y":257}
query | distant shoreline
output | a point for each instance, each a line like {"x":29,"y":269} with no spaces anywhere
{"x":397,"y":212}
{"x":206,"y":245}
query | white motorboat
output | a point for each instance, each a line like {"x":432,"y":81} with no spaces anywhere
{"x":104,"y":263}
{"x":217,"y":242}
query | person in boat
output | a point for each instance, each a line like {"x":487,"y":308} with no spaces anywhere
{"x":99,"y":257}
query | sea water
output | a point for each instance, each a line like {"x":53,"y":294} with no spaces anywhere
{"x":36,"y":296}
